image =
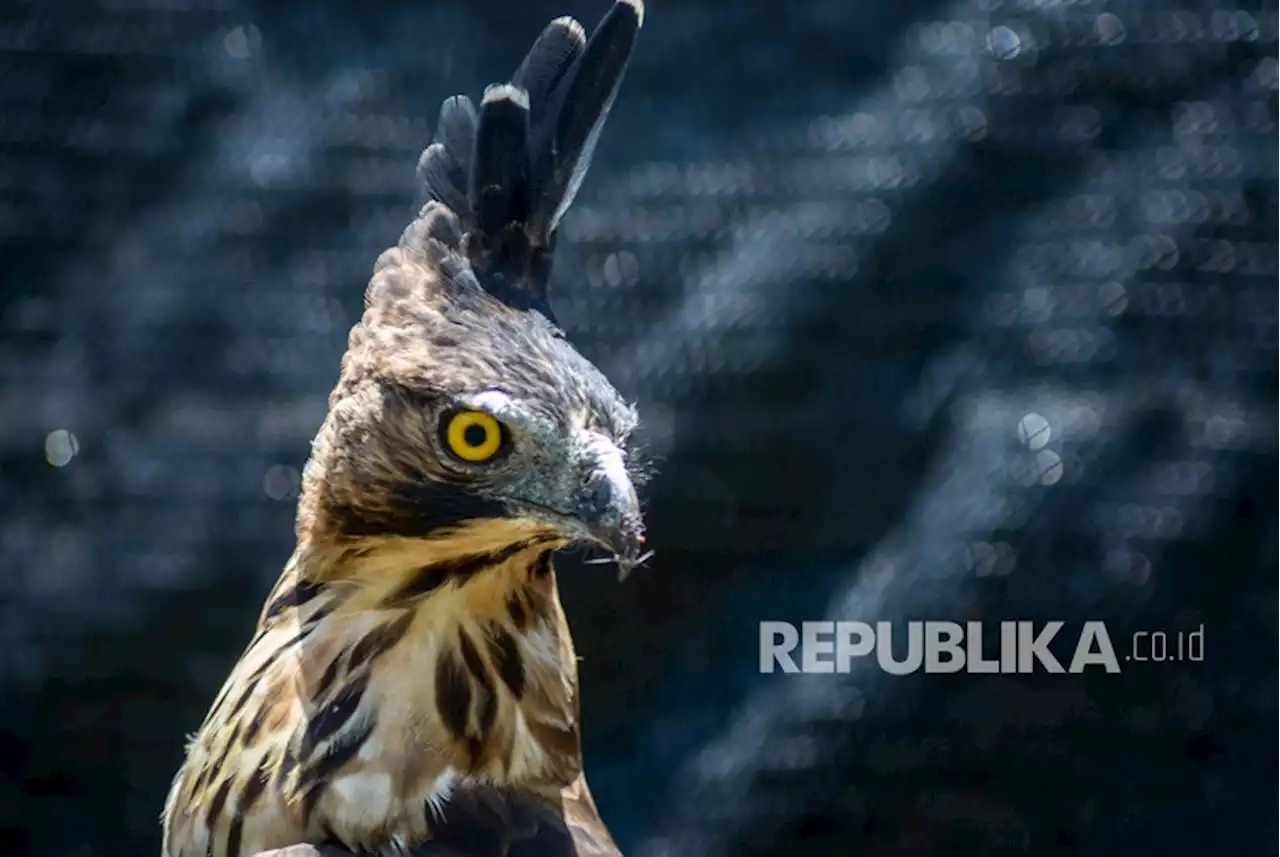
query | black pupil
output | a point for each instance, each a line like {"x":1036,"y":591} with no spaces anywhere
{"x":474,"y":435}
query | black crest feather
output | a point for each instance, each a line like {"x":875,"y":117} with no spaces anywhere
{"x":510,"y":170}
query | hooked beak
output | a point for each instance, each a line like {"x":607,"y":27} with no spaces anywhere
{"x":605,"y":510}
{"x":609,"y":507}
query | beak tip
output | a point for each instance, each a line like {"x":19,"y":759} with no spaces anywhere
{"x":623,"y":540}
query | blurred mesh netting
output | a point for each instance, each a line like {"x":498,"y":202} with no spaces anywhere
{"x":932,"y":311}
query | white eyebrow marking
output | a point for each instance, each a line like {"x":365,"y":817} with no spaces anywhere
{"x":493,"y":401}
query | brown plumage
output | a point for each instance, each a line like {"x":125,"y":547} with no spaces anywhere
{"x":412,"y":685}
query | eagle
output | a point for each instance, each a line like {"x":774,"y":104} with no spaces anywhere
{"x":411,"y":687}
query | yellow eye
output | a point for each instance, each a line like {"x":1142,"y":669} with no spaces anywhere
{"x":473,"y":436}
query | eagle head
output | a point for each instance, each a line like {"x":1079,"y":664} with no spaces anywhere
{"x":461,"y":409}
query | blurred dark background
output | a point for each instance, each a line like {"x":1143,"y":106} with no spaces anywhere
{"x":933,"y":311}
